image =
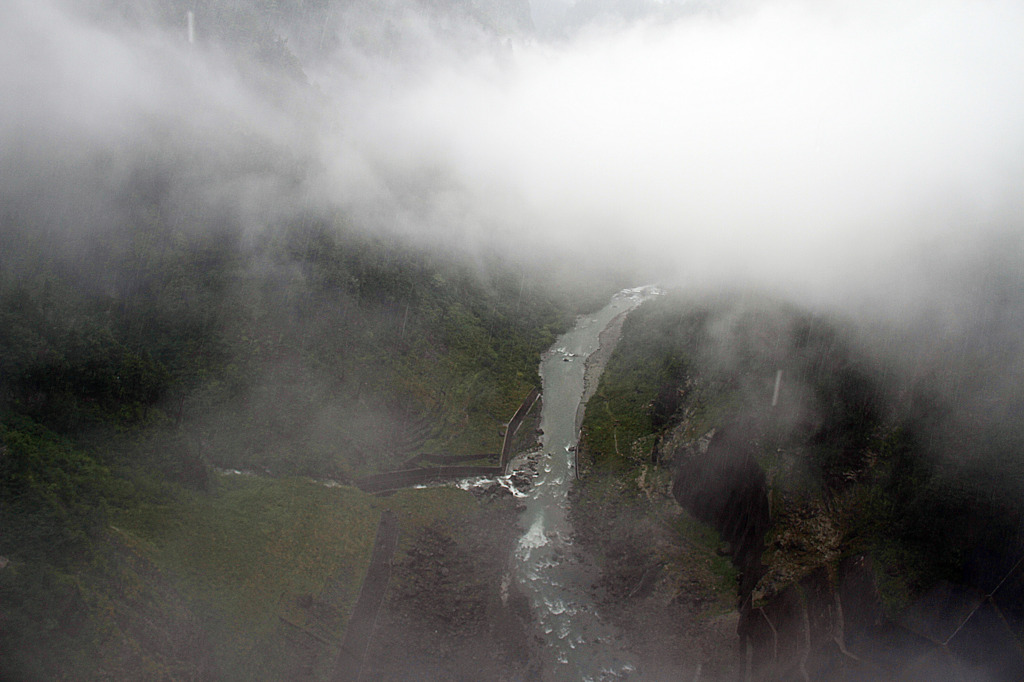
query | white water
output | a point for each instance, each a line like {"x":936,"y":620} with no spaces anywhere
{"x":555,"y":576}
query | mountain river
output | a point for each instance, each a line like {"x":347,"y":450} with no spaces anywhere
{"x":548,"y":570}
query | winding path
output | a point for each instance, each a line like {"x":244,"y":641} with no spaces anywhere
{"x":349,"y":663}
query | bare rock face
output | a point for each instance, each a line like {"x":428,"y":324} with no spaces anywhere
{"x":800,"y":630}
{"x":827,"y":620}
{"x":724,"y":487}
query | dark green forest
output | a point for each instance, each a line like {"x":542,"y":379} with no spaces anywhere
{"x":133,"y":374}
{"x":858,"y":458}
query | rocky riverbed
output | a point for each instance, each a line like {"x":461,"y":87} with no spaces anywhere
{"x":457,"y":607}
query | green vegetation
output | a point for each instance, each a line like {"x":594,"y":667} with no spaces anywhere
{"x":859,"y":456}
{"x":282,"y":343}
{"x":257,"y":558}
{"x":54,"y":503}
{"x":152,"y":332}
{"x":129,"y":373}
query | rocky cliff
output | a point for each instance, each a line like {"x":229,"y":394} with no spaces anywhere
{"x":812,"y":609}
{"x":865,"y":547}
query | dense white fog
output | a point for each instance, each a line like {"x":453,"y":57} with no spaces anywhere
{"x":840,"y":151}
{"x":785,"y":143}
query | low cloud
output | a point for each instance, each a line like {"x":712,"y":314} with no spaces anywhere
{"x":839,"y":153}
{"x":808,"y":147}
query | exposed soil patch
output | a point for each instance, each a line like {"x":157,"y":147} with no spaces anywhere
{"x":598,"y":360}
{"x":450,"y":613}
{"x":661,"y":582}
{"x":666,"y":592}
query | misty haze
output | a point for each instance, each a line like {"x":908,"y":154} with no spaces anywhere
{"x":512,"y":340}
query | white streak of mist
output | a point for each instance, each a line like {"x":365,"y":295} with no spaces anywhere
{"x":836,"y":152}
{"x":830,"y":143}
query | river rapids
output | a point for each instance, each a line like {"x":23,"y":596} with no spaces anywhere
{"x":555,"y":576}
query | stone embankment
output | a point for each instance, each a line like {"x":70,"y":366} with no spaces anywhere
{"x":828,"y":621}
{"x":394,"y":480}
{"x":413,"y":473}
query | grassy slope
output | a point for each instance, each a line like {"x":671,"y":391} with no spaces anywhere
{"x":252,"y":579}
{"x":247,"y":556}
{"x":264,"y":562}
{"x":171,"y":339}
{"x":214,"y":392}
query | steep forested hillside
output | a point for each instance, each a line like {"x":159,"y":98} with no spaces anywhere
{"x":822,"y":460}
{"x":178,"y":302}
{"x":134,"y":367}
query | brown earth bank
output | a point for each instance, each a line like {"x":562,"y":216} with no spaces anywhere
{"x":598,"y":360}
{"x":450,"y":613}
{"x":662,"y":582}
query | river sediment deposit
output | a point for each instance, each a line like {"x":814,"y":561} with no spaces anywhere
{"x":554,"y":575}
